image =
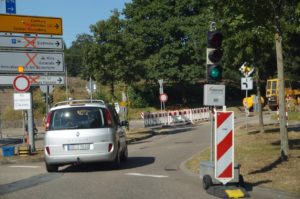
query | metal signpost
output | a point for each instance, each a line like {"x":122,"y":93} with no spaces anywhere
{"x":38,"y":55}
{"x":246,"y":84}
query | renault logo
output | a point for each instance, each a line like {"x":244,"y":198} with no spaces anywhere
{"x":77,"y":134}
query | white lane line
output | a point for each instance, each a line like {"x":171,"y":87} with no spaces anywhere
{"x":23,"y":166}
{"x":146,"y":175}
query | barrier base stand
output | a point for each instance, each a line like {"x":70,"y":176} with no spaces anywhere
{"x":229,"y":191}
{"x":24,"y":150}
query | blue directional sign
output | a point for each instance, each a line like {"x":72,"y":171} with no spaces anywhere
{"x":11,"y":6}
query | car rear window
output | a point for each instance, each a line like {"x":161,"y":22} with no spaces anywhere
{"x":78,"y":118}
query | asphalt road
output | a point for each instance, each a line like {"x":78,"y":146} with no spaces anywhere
{"x":154,"y":170}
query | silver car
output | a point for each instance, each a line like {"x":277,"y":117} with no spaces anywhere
{"x":82,"y":131}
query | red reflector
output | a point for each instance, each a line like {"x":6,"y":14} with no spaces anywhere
{"x":48,"y":120}
{"x":110,"y":146}
{"x":108,"y":118}
{"x":48,"y":150}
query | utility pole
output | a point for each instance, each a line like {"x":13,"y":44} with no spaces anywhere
{"x":284,"y":146}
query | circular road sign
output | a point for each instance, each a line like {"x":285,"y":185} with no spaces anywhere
{"x":21,"y":83}
{"x":163,"y":97}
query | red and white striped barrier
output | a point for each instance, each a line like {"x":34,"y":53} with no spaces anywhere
{"x":176,"y":116}
{"x":224,"y":146}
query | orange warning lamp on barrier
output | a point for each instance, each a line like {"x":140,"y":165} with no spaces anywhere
{"x":20,"y":69}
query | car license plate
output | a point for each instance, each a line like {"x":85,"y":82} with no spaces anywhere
{"x":72,"y":147}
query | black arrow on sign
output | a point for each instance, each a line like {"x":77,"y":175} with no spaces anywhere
{"x":59,"y":80}
{"x":57,"y":43}
{"x":58,"y":62}
{"x":56,"y":26}
{"x":246,"y":84}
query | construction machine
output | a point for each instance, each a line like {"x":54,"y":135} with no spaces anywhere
{"x":291,"y":92}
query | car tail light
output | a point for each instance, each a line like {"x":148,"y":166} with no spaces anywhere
{"x":108,"y":118}
{"x":110,"y":147}
{"x":48,"y":120}
{"x":48,"y":150}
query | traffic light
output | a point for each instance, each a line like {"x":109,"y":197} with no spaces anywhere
{"x":44,"y":97}
{"x":214,"y":54}
{"x":50,"y":99}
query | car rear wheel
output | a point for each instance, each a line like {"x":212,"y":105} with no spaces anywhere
{"x":51,"y":168}
{"x":124,"y":156}
{"x":117,"y":161}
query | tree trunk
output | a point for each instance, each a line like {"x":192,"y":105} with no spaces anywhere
{"x":260,"y":112}
{"x":112,"y":91}
{"x":284,"y":149}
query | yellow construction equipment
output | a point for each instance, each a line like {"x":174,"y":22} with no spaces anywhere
{"x":251,"y":101}
{"x":291,"y":92}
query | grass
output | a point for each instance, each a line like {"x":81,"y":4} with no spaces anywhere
{"x":258,"y":154}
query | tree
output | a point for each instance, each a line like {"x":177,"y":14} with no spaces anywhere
{"x":73,"y":55}
{"x":173,"y":48}
{"x":251,"y":28}
{"x":111,"y":59}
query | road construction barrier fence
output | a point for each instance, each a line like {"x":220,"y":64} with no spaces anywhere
{"x":175,"y":117}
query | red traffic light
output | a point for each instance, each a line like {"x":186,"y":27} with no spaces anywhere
{"x":214,"y":39}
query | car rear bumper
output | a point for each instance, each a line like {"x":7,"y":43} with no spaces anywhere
{"x":79,"y":158}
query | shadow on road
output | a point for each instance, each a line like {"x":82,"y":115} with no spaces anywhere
{"x":132,"y":162}
{"x":268,"y":167}
{"x":249,"y":186}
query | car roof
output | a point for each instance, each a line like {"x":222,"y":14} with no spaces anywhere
{"x":78,"y":103}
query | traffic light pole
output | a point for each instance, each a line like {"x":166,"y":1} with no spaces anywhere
{"x":47,"y":99}
{"x":30,"y":123}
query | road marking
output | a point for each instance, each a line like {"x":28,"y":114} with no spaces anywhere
{"x":146,"y":175}
{"x":23,"y":166}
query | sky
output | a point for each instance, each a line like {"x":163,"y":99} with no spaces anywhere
{"x":77,"y":15}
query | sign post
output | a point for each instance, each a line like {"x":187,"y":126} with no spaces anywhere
{"x":246,"y":84}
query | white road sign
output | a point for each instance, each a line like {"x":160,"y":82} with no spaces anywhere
{"x":21,"y":83}
{"x":214,"y":95}
{"x":34,"y":80}
{"x":31,"y":42}
{"x":247,"y":83}
{"x":32,"y":61}
{"x":22,"y":101}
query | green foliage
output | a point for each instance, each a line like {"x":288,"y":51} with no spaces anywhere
{"x":136,"y":98}
{"x":73,"y":55}
{"x":39,"y":105}
{"x":162,"y":39}
{"x":10,"y":114}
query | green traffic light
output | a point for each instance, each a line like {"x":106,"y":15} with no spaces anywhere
{"x":215,"y":73}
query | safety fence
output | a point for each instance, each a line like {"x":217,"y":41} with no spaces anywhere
{"x":175,"y":117}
